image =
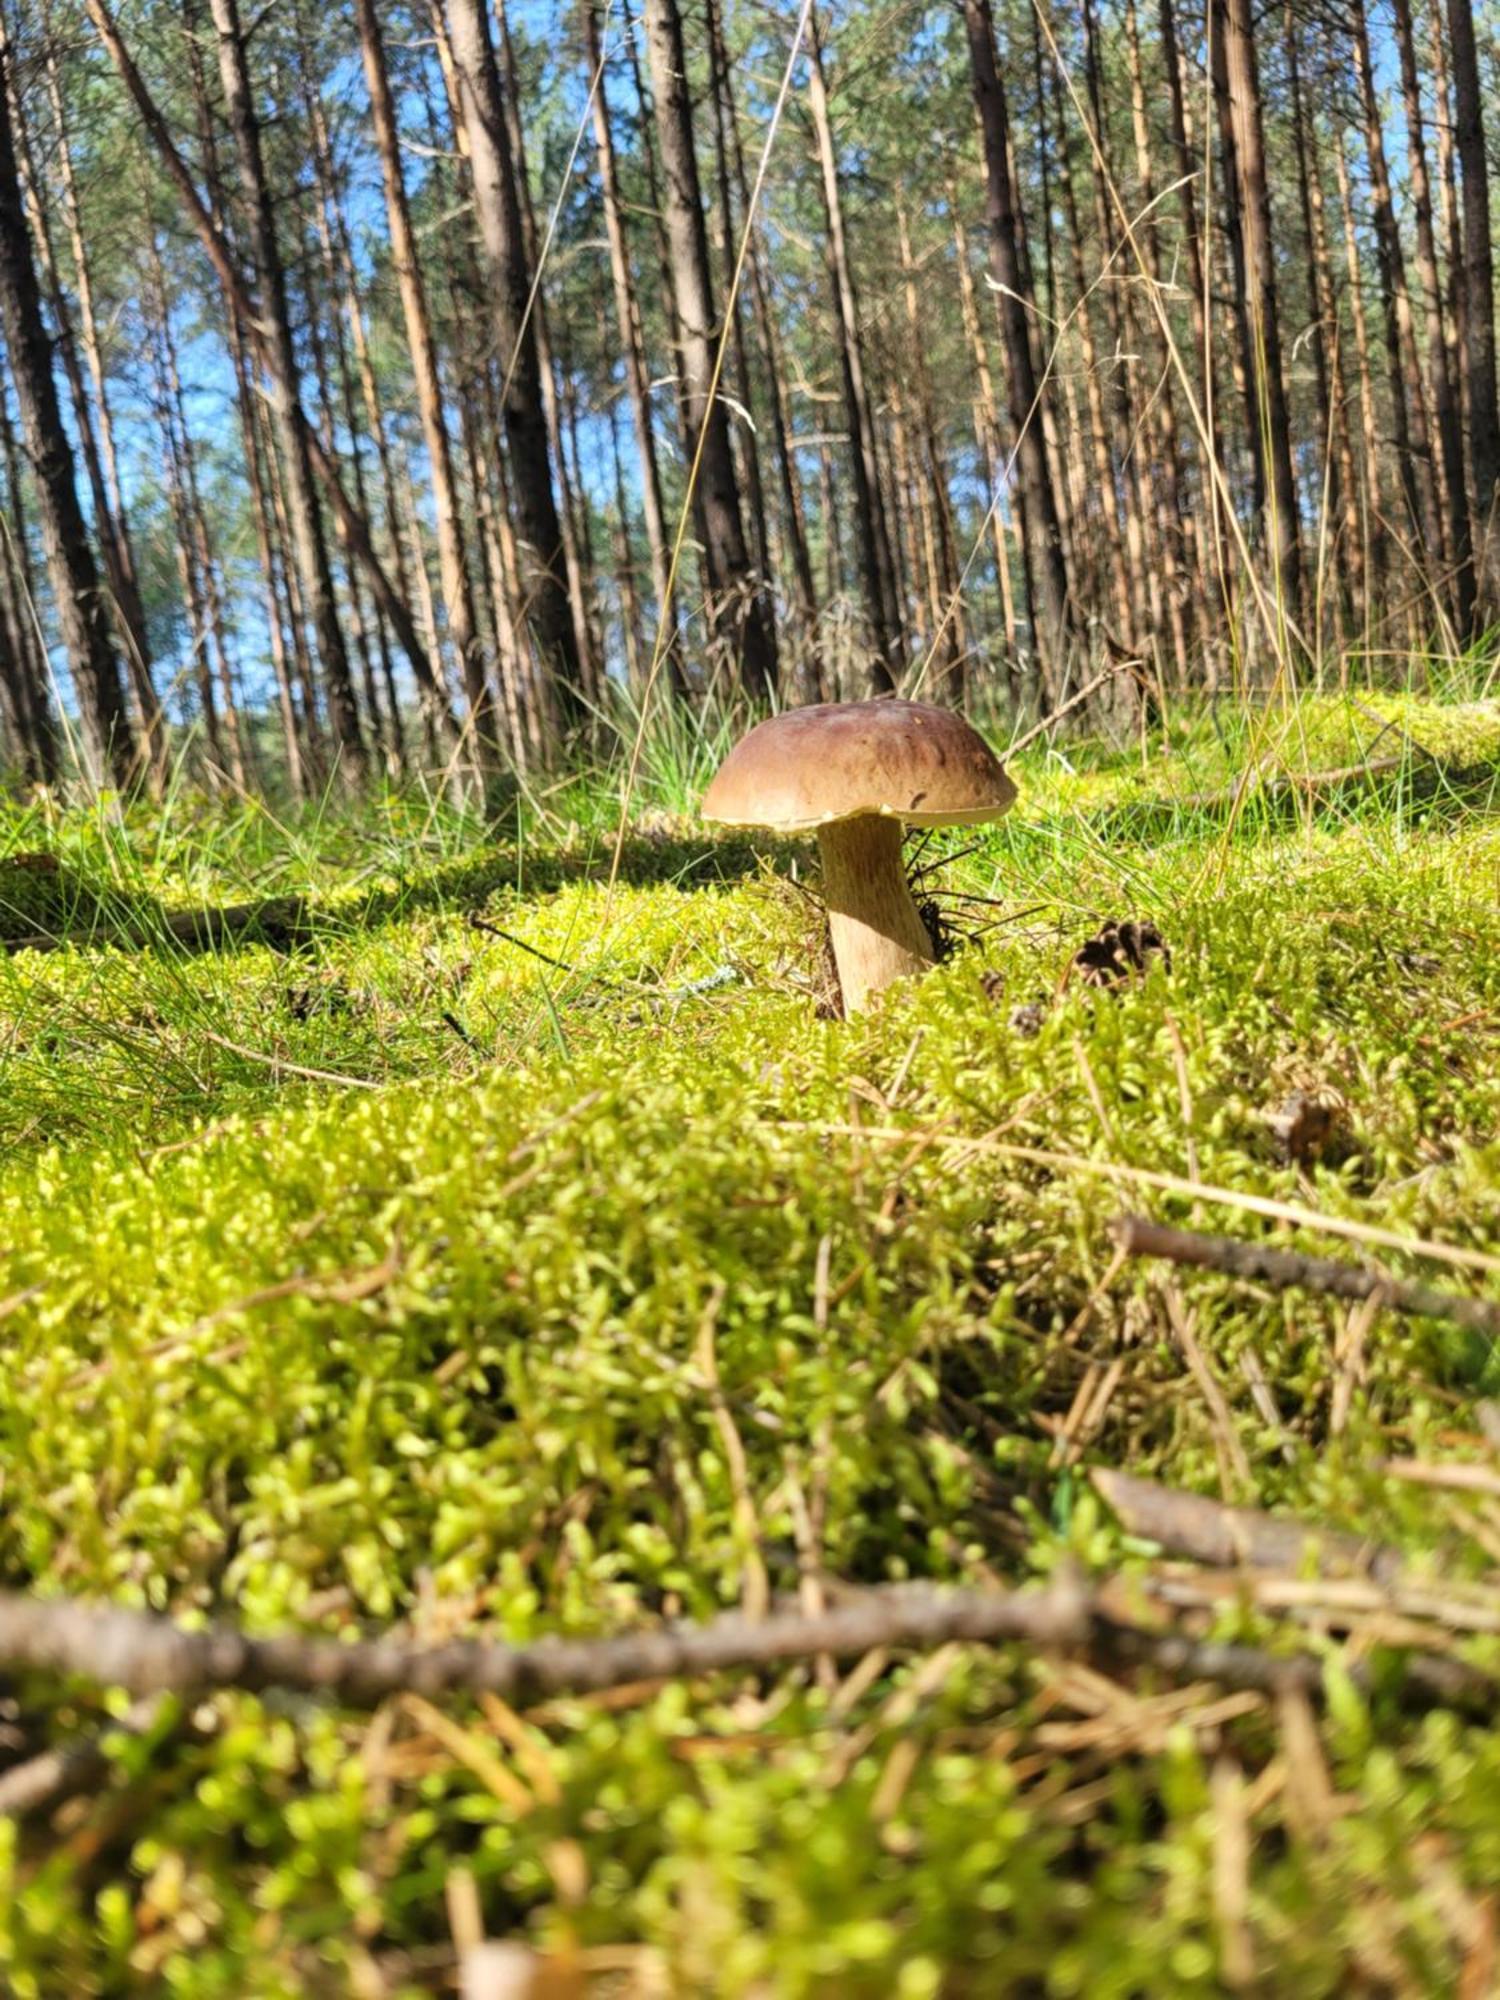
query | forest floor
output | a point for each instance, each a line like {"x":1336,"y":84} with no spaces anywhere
{"x":573,"y":1271}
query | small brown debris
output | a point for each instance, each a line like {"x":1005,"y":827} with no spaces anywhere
{"x":1121,"y":950}
{"x":1308,"y":1125}
{"x":34,"y":862}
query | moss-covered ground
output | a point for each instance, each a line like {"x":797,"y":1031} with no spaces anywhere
{"x":394,"y":1275}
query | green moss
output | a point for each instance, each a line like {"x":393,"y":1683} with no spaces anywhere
{"x":430,"y":1353}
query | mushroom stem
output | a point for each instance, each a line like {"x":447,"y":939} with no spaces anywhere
{"x":878,"y":934}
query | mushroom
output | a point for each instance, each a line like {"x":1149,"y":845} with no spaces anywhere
{"x":857,"y":772}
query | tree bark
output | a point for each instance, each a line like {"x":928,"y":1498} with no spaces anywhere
{"x":243,"y":306}
{"x":82,"y":611}
{"x":1479,"y":301}
{"x":309,"y":543}
{"x":1445,"y":401}
{"x":1057,"y":638}
{"x":1268,"y":414}
{"x":632,"y":344}
{"x":1369,"y":432}
{"x":739,"y":608}
{"x":1409,"y":403}
{"x":544,"y":579}
{"x":453,"y":567}
{"x":872,"y":531}
{"x":113,"y":522}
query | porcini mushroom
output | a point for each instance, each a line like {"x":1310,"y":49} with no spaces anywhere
{"x":856,"y":772}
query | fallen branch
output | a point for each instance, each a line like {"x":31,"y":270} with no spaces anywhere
{"x":1206,"y":1531}
{"x":1138,"y":1236}
{"x":148,"y":1654}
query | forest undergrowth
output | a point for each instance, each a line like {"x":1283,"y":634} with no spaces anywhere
{"x":369,"y":1265}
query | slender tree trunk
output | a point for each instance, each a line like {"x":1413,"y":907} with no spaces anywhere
{"x":986,"y":423}
{"x":632,"y":344}
{"x":453,"y":568}
{"x":25,"y":702}
{"x":82,"y":612}
{"x":739,"y":608}
{"x":1057,"y":637}
{"x":793,"y":526}
{"x":1122,"y":399}
{"x":1369,"y":430}
{"x":243,"y":307}
{"x":309,"y":543}
{"x":165,"y":382}
{"x":872,"y":531}
{"x":1454,"y":315}
{"x":1174,"y":513}
{"x":1479,"y":303}
{"x":1333,"y":417}
{"x":1268,"y":414}
{"x":298,"y":733}
{"x":1445,"y":400}
{"x":571,"y":508}
{"x":498,"y":205}
{"x":1110,"y":579}
{"x":746,"y":432}
{"x":1212,"y":580}
{"x":113,"y":523}
{"x":948,"y":641}
{"x":1413,"y":441}
{"x":197,"y":568}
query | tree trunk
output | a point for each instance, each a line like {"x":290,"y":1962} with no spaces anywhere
{"x":544,"y":577}
{"x":746,"y":433}
{"x":1369,"y":433}
{"x":1333,"y":418}
{"x":632,"y":345}
{"x":794,"y":527}
{"x":1445,"y":402}
{"x":82,"y":612}
{"x":739,"y":607}
{"x":243,"y":307}
{"x":1211,"y":543}
{"x":113,"y":523}
{"x":947,"y":646}
{"x":1479,"y":303}
{"x":1413,"y":440}
{"x":453,"y":567}
{"x":1057,"y":639}
{"x":572,"y":507}
{"x":986,"y":423}
{"x":1268,"y":413}
{"x":309,"y":543}
{"x":872,"y":531}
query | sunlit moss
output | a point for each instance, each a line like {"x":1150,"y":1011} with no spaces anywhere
{"x":431,"y":1353}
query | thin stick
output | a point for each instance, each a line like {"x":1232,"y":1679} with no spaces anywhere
{"x":1192,"y":1525}
{"x":291,"y":1069}
{"x":148,"y":1654}
{"x":1137,"y":1236}
{"x":1254,"y":1204}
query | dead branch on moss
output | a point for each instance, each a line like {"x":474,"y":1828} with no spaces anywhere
{"x":1290,"y":1270}
{"x":1206,"y":1531}
{"x":1112,"y":1623}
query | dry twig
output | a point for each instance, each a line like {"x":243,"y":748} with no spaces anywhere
{"x":1138,"y":1236}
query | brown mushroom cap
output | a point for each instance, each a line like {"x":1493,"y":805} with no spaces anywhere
{"x":906,"y":760}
